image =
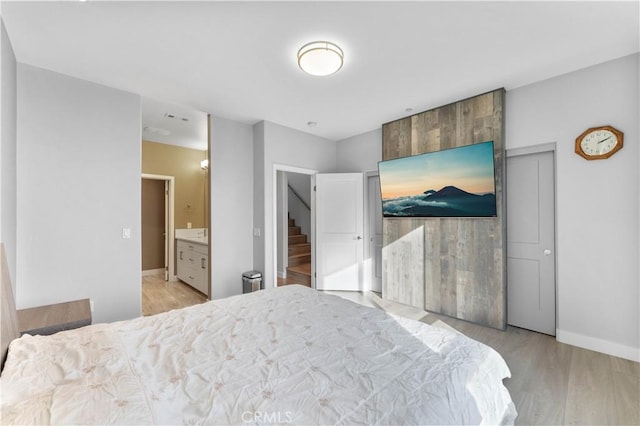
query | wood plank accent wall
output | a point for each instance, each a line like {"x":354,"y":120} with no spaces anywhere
{"x":452,"y":266}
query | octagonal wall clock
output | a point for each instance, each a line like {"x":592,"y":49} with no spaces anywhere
{"x":598,"y":143}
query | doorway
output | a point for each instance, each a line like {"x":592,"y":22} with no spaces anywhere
{"x":294,"y":228}
{"x":175,"y":149}
{"x":158,"y":225}
{"x":531,"y":270}
{"x":285,"y":273}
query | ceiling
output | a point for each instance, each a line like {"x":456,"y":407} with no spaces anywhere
{"x":172,"y":124}
{"x":237,"y":60}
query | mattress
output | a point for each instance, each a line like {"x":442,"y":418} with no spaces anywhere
{"x":290,"y":355}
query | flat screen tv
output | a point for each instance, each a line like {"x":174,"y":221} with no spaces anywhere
{"x":456,"y":182}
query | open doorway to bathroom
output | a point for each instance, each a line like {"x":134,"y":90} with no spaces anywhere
{"x":175,"y":209}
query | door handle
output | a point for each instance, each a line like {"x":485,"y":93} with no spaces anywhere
{"x":358,"y":237}
{"x":547,"y":252}
{"x":181,"y":255}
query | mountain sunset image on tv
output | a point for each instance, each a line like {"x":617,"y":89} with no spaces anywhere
{"x":456,"y":182}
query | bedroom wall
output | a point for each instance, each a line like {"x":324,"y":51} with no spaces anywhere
{"x":8,"y":109}
{"x":232,"y":202}
{"x":78,"y":162}
{"x":597,"y":201}
{"x":275,"y":144}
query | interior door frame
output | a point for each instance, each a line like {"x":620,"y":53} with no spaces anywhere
{"x":170,"y":228}
{"x":274,"y":225}
{"x":538,"y":149}
{"x":368,"y":272}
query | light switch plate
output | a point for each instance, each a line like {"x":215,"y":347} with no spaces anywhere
{"x":256,"y":232}
{"x":126,"y":233}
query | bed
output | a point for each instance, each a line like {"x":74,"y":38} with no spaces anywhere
{"x":290,"y":355}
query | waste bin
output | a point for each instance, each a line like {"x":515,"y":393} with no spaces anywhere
{"x":251,"y":281}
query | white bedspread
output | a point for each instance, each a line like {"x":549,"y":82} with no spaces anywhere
{"x":285,"y":356}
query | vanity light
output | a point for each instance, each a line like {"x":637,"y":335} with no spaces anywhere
{"x":204,"y":164}
{"x":320,"y":58}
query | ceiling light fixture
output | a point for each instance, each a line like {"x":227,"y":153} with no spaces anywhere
{"x":320,"y":58}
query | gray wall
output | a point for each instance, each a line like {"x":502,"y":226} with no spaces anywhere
{"x":278,"y":145}
{"x":231,"y":175}
{"x":360,"y":153}
{"x":297,"y":210}
{"x":78,"y":162}
{"x":597,"y":201}
{"x":8,"y":212}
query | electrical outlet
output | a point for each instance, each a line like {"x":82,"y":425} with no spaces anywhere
{"x":126,"y":233}
{"x":256,"y":232}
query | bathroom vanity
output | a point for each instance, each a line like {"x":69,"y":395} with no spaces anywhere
{"x":193,"y":259}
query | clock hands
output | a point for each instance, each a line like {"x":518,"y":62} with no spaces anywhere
{"x":604,"y":139}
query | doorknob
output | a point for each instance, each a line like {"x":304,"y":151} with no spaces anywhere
{"x":547,"y":252}
{"x":358,"y":237}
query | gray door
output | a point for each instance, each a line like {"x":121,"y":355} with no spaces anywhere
{"x":531,"y":287}
{"x":375,"y":233}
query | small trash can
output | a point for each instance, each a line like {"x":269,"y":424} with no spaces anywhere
{"x":251,"y":281}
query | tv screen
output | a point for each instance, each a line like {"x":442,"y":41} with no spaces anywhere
{"x":456,"y":182}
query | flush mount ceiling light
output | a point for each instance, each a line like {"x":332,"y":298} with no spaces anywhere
{"x":320,"y":58}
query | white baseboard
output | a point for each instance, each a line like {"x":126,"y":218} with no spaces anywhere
{"x":152,"y":272}
{"x":598,"y":345}
{"x":282,"y":274}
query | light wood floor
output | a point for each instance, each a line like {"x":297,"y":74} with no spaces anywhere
{"x":551,"y":383}
{"x":159,"y":295}
{"x":289,"y":281}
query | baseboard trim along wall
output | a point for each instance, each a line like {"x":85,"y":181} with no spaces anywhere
{"x":598,"y":345}
{"x":152,"y":272}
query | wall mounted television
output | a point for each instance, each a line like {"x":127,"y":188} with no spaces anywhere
{"x":455,"y":182}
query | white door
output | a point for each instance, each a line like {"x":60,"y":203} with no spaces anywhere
{"x":375,"y":233}
{"x":531,"y":287}
{"x":339,"y":229}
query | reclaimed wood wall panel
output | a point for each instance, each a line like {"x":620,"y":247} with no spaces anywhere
{"x":457,"y":265}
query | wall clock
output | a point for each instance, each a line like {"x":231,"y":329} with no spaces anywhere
{"x":598,"y":143}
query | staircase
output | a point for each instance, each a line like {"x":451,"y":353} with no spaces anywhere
{"x":299,"y":269}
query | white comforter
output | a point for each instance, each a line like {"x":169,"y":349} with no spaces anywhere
{"x":285,"y":356}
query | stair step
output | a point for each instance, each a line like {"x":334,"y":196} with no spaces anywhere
{"x":303,"y":248}
{"x":299,"y":259}
{"x":294,"y":230}
{"x":300,"y":273}
{"x":292,"y":222}
{"x":297,"y":239}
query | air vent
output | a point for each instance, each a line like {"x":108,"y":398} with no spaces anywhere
{"x":175,"y":117}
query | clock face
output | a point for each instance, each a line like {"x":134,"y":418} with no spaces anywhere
{"x":599,"y":142}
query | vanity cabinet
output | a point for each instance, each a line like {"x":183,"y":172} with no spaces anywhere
{"x":193,"y":264}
